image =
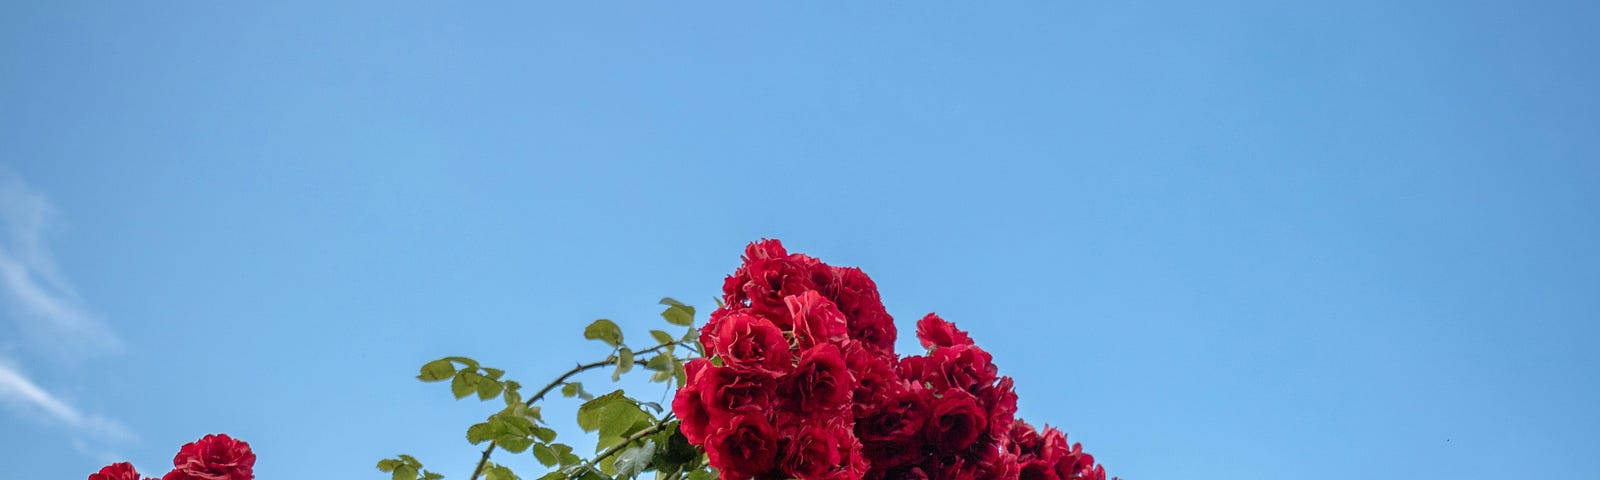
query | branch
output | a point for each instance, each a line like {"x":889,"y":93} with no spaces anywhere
{"x":583,"y":367}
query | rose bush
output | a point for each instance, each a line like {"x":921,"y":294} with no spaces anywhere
{"x":800,"y":380}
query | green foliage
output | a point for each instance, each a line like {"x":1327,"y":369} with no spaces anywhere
{"x":677,"y":313}
{"x":406,"y":467}
{"x":631,"y":438}
{"x":605,"y":331}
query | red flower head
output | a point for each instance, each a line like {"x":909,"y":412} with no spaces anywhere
{"x":768,"y":275}
{"x":214,"y":457}
{"x":816,"y":320}
{"x":892,"y":434}
{"x":693,"y":416}
{"x":725,"y":391}
{"x":748,"y":342}
{"x":742,"y":447}
{"x":116,"y":471}
{"x":934,"y":332}
{"x":828,"y":452}
{"x":821,"y":383}
{"x":857,"y":297}
{"x":957,"y":421}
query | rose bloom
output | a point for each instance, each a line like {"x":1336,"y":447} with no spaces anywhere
{"x":693,"y":416}
{"x":768,"y":275}
{"x":820,"y":383}
{"x":966,"y":367}
{"x":857,"y":298}
{"x":214,"y":457}
{"x":742,"y":447}
{"x":875,"y":376}
{"x":724,"y":391}
{"x":116,"y":471}
{"x":935,"y":332}
{"x":748,"y":342}
{"x":816,"y":320}
{"x":892,"y":434}
{"x":957,"y":421}
{"x":823,"y":452}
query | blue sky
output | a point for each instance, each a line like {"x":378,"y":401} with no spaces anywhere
{"x":1213,"y":240}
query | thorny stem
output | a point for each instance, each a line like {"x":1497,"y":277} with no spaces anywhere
{"x":584,"y":367}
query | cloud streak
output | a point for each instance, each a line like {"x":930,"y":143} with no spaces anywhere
{"x":46,"y":307}
{"x":19,"y":391}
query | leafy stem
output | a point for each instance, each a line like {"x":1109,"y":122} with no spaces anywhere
{"x":483,"y":461}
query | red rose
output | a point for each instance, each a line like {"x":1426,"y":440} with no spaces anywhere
{"x":957,"y":421}
{"x":857,"y":297}
{"x":934,"y":332}
{"x":742,"y":447}
{"x":727,"y":391}
{"x":875,"y":376}
{"x":1024,"y":440}
{"x":748,"y":342}
{"x":116,"y":471}
{"x":214,"y":457}
{"x":892,"y":434}
{"x":966,"y":367}
{"x":821,"y":382}
{"x":1001,"y":400}
{"x":768,"y":275}
{"x":693,"y":416}
{"x":827,"y":452}
{"x":816,"y":320}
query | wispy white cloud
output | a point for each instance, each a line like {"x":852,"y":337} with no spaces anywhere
{"x":28,"y":398}
{"x":50,"y":315}
{"x":44,"y":304}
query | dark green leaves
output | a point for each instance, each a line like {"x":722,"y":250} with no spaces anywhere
{"x":677,"y":313}
{"x":605,"y":331}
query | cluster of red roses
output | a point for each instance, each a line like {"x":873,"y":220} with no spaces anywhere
{"x":802,"y":382}
{"x":215,"y":457}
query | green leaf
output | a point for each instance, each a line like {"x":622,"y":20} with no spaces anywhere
{"x":544,"y":434}
{"x":410,"y":460}
{"x":488,"y":388}
{"x":514,"y":444}
{"x":437,"y":370}
{"x":427,"y":475}
{"x":659,"y":363}
{"x":592,"y":412}
{"x":702,"y":474}
{"x":388,"y":465}
{"x":635,"y":459}
{"x":500,"y":472}
{"x":605,"y":331}
{"x":661,"y":337}
{"x":677,"y":313}
{"x":478,"y":433}
{"x":404,"y":472}
{"x":513,"y":395}
{"x":468,"y":363}
{"x":555,"y":475}
{"x":464,"y":384}
{"x":624,"y":363}
{"x":545,"y":455}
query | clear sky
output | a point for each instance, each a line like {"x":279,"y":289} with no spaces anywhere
{"x":1211,"y":240}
